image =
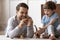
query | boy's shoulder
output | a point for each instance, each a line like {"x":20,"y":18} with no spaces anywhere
{"x":55,"y":15}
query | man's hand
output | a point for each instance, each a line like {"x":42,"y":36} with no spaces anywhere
{"x":26,"y":21}
{"x":23,"y":22}
{"x":30,"y":22}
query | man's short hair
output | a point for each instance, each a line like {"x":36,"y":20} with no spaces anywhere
{"x":49,"y":5}
{"x":21,"y":5}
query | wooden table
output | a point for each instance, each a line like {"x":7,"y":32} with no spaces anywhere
{"x":2,"y":37}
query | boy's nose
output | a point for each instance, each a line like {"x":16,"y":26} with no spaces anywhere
{"x":24,"y":14}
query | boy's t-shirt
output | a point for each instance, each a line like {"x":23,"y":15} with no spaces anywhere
{"x":45,"y":20}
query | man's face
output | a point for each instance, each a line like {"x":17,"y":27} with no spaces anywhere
{"x":48,"y":12}
{"x":22,"y":13}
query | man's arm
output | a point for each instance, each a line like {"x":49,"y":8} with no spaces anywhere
{"x":11,"y":30}
{"x":30,"y":31}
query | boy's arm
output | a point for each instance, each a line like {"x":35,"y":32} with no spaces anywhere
{"x":51,"y":22}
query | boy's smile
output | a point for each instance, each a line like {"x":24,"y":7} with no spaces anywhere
{"x":48,"y":12}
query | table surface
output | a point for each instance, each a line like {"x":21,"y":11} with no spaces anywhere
{"x":2,"y":37}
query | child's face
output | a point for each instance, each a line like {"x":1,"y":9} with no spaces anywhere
{"x":48,"y":12}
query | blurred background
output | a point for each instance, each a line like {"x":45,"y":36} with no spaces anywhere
{"x":8,"y":9}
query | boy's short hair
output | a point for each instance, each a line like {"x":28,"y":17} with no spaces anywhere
{"x":50,"y":5}
{"x":21,"y":5}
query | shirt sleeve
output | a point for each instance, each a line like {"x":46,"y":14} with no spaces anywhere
{"x":55,"y":16}
{"x":43,"y":20}
{"x":11,"y":31}
{"x":30,"y":32}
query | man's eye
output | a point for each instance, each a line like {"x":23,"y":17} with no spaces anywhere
{"x":26,"y":13}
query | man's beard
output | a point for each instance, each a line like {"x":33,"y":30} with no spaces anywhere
{"x":22,"y":17}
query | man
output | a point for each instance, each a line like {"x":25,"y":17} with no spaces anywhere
{"x":21,"y":23}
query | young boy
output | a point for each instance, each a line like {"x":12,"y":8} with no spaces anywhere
{"x":50,"y":20}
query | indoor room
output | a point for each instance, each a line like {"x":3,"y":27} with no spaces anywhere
{"x":36,"y":12}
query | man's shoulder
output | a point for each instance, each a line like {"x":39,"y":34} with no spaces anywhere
{"x":30,"y":17}
{"x":11,"y":18}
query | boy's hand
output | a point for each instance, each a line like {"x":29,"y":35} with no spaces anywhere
{"x":43,"y":28}
{"x":40,"y":31}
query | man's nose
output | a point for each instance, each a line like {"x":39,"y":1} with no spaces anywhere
{"x":24,"y":14}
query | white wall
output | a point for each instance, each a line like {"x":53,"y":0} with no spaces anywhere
{"x":35,"y":11}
